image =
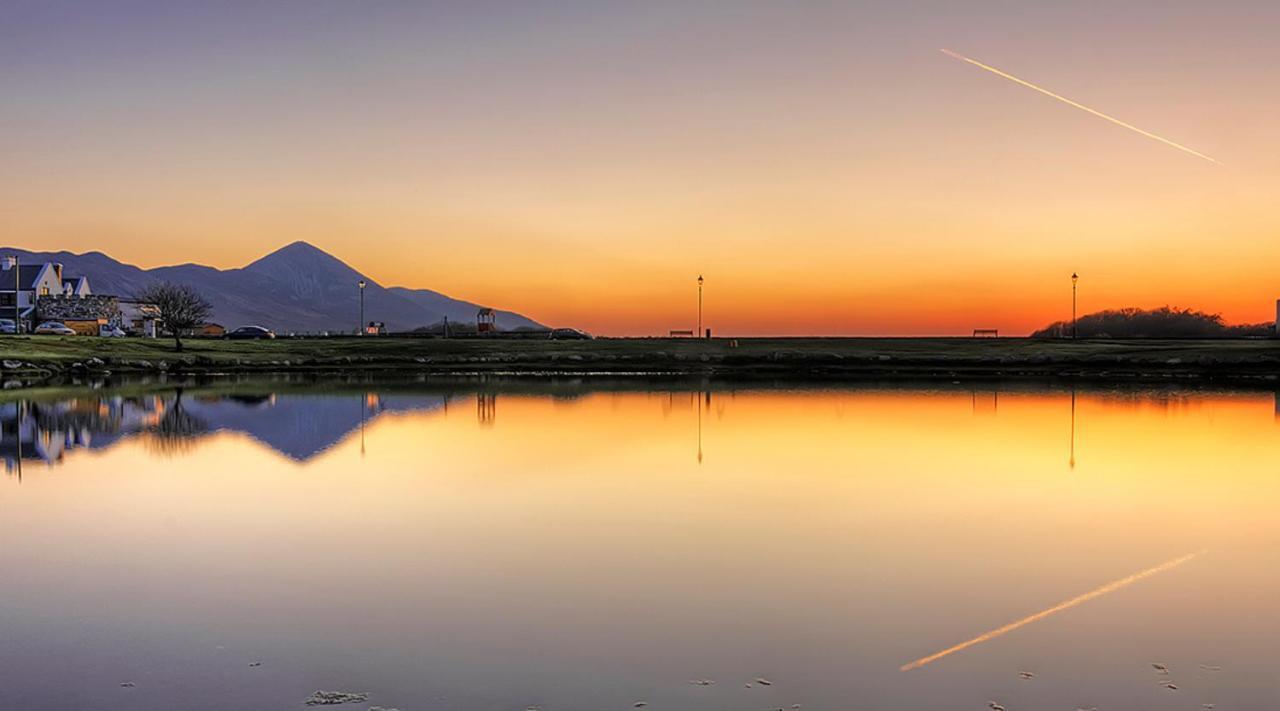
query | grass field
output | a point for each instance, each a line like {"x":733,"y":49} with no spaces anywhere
{"x":809,"y":357}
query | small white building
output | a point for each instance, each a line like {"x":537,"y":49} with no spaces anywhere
{"x":140,"y":318}
{"x":78,"y":286}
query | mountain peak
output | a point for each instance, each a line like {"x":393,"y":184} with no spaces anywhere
{"x":297,"y":248}
{"x":300,"y":244}
{"x":299,"y":255}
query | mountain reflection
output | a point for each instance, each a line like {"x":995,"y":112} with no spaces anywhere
{"x":300,"y":422}
{"x":296,"y":426}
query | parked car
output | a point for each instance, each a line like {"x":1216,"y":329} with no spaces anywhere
{"x":251,"y":333}
{"x":110,"y":332}
{"x":54,"y":328}
{"x":569,"y":334}
{"x":6,"y":326}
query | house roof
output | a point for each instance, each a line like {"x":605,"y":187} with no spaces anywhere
{"x":27,"y":274}
{"x":138,"y":309}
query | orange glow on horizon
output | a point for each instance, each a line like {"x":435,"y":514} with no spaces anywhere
{"x":584,"y":171}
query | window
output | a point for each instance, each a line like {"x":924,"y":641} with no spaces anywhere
{"x":44,"y":291}
{"x":6,"y":300}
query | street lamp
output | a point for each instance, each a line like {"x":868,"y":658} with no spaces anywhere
{"x":1074,"y":278}
{"x":699,"y":305}
{"x":361,"y":331}
{"x":17,"y":291}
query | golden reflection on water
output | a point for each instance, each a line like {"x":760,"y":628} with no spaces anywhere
{"x":598,"y":546}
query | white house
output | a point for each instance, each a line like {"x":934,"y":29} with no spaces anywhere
{"x":77,"y":286}
{"x":21,"y":285}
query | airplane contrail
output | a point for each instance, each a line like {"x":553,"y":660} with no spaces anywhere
{"x":1095,"y":593}
{"x":1080,"y":106}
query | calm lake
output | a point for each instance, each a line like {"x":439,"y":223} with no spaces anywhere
{"x":574,"y":547}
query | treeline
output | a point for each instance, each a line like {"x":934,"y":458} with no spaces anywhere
{"x":1163,"y":322}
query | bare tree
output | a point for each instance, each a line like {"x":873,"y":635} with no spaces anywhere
{"x":181,"y":307}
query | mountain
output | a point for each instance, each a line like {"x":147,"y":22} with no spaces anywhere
{"x":297,"y":426}
{"x":297,"y":288}
{"x":302,"y":426}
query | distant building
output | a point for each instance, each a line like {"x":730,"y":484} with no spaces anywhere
{"x":486,"y":321}
{"x":211,"y":330}
{"x":138,"y":318}
{"x":375,"y":328}
{"x":22,"y":286}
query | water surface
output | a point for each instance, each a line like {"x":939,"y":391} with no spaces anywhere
{"x":492,"y":548}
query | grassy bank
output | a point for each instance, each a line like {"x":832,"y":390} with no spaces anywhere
{"x":51,"y":357}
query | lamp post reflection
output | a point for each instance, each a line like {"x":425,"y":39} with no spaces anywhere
{"x":1071,"y":462}
{"x":698,"y":405}
{"x":985,"y":405}
{"x":370,"y":403}
{"x":486,"y":408}
{"x":17,"y":418}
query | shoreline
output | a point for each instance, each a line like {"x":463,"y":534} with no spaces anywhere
{"x":40,"y":360}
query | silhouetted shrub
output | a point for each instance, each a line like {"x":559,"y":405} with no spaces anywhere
{"x":1164,"y":322}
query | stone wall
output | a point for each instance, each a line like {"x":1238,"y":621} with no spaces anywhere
{"x":78,"y":308}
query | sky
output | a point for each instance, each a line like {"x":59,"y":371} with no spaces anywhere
{"x":822,"y":164}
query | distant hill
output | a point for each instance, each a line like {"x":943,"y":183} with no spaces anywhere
{"x":1163,"y":322}
{"x":435,"y":302}
{"x":297,"y":288}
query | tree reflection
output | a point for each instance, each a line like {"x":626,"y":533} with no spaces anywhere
{"x":177,"y":429}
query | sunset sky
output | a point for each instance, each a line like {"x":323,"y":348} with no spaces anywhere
{"x":823,"y":164}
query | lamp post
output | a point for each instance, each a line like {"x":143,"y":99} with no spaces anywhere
{"x":699,"y":306}
{"x":1074,"y":278}
{"x":17,"y":291}
{"x":361,"y":331}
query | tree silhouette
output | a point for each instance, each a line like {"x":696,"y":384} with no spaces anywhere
{"x":181,"y":307}
{"x":1164,"y":322}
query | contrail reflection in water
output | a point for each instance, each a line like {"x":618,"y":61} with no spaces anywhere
{"x":1095,"y":593}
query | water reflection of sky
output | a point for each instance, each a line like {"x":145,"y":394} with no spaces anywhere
{"x":498,"y":550}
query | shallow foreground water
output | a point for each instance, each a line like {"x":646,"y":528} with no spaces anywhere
{"x":487,"y":548}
